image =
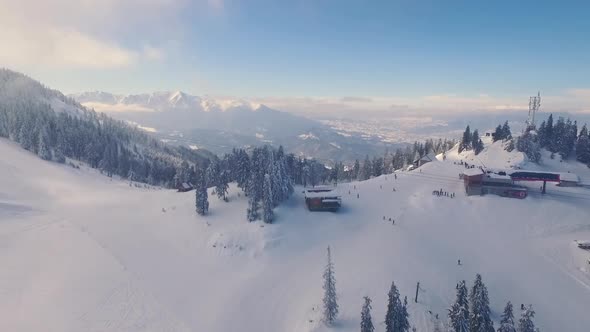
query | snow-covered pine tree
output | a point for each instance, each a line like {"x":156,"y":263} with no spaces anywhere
{"x":527,"y":143}
{"x":330,"y":298}
{"x":404,"y":318}
{"x":267,"y":204}
{"x":222,"y":185}
{"x":525,"y":323}
{"x":356,"y":169}
{"x":212,"y":173}
{"x":466,"y":140}
{"x":507,"y":320}
{"x":202,"y":202}
{"x":583,"y":146}
{"x":396,"y":317}
{"x":479,"y":316}
{"x":252,"y":212}
{"x":498,"y":134}
{"x":476,"y":142}
{"x":366,"y":320}
{"x":366,"y":170}
{"x":43,"y":150}
{"x":506,"y":133}
{"x":459,"y":311}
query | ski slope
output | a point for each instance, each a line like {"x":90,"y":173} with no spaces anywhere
{"x":82,"y":252}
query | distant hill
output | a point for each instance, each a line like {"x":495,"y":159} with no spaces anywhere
{"x":56,"y":127}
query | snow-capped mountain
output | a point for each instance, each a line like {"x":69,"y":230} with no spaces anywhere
{"x":220,"y":124}
{"x":163,"y":101}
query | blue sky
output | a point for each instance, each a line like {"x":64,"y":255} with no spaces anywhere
{"x":306,"y":48}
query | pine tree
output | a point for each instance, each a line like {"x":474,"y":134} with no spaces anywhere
{"x":525,"y":323}
{"x":396,"y":318}
{"x":43,"y":149}
{"x":479,"y":317}
{"x":330,"y":297}
{"x":506,"y":133}
{"x":498,"y":134}
{"x":202,"y":203}
{"x":267,"y":204}
{"x":366,"y":321}
{"x":548,"y":134}
{"x":459,"y":311}
{"x":252,"y":212}
{"x":527,"y":144}
{"x":222,"y":185}
{"x":466,"y":140}
{"x":583,"y":146}
{"x":507,"y":320}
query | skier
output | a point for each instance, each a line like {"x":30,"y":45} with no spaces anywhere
{"x":458,"y":262}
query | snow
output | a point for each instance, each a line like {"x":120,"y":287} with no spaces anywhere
{"x":308,"y":136}
{"x":473,"y":171}
{"x":82,"y":252}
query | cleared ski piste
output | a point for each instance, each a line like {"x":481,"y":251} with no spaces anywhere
{"x":82,"y":252}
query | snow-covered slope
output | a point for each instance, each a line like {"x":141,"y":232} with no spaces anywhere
{"x":18,"y":88}
{"x":81,"y":252}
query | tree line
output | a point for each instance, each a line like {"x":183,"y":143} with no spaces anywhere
{"x":389,"y":162}
{"x":470,"y":312}
{"x":115,"y":148}
{"x":561,"y":138}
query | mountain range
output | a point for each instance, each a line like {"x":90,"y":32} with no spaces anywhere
{"x":219,"y":124}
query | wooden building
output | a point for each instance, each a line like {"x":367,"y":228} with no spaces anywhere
{"x":322,"y":199}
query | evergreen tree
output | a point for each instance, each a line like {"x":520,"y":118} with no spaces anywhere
{"x":43,"y":149}
{"x":542,"y":134}
{"x":583,"y":146}
{"x":498,"y":134}
{"x":459,"y":311}
{"x":527,"y":144}
{"x":330,"y":297}
{"x":476,"y":142}
{"x":396,"y":318}
{"x":202,"y":203}
{"x":252,"y":212}
{"x":222,"y":185}
{"x":525,"y":323}
{"x":356,"y":169}
{"x":507,"y":320}
{"x":549,"y":133}
{"x":506,"y":133}
{"x":479,"y":317}
{"x":267,"y":204}
{"x":366,"y":321}
{"x":466,"y":140}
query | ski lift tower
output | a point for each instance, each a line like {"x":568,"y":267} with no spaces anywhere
{"x":534,"y":106}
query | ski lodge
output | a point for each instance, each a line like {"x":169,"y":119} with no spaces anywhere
{"x":502,"y":183}
{"x":322,"y":198}
{"x":477,"y":182}
{"x":424,"y":160}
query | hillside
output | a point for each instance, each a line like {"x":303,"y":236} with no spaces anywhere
{"x":81,"y":251}
{"x":57,"y":128}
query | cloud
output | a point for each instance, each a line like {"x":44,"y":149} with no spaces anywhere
{"x":153,"y":53}
{"x":117,"y":108}
{"x":355,"y":100}
{"x":58,"y":48}
{"x":81,"y":34}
